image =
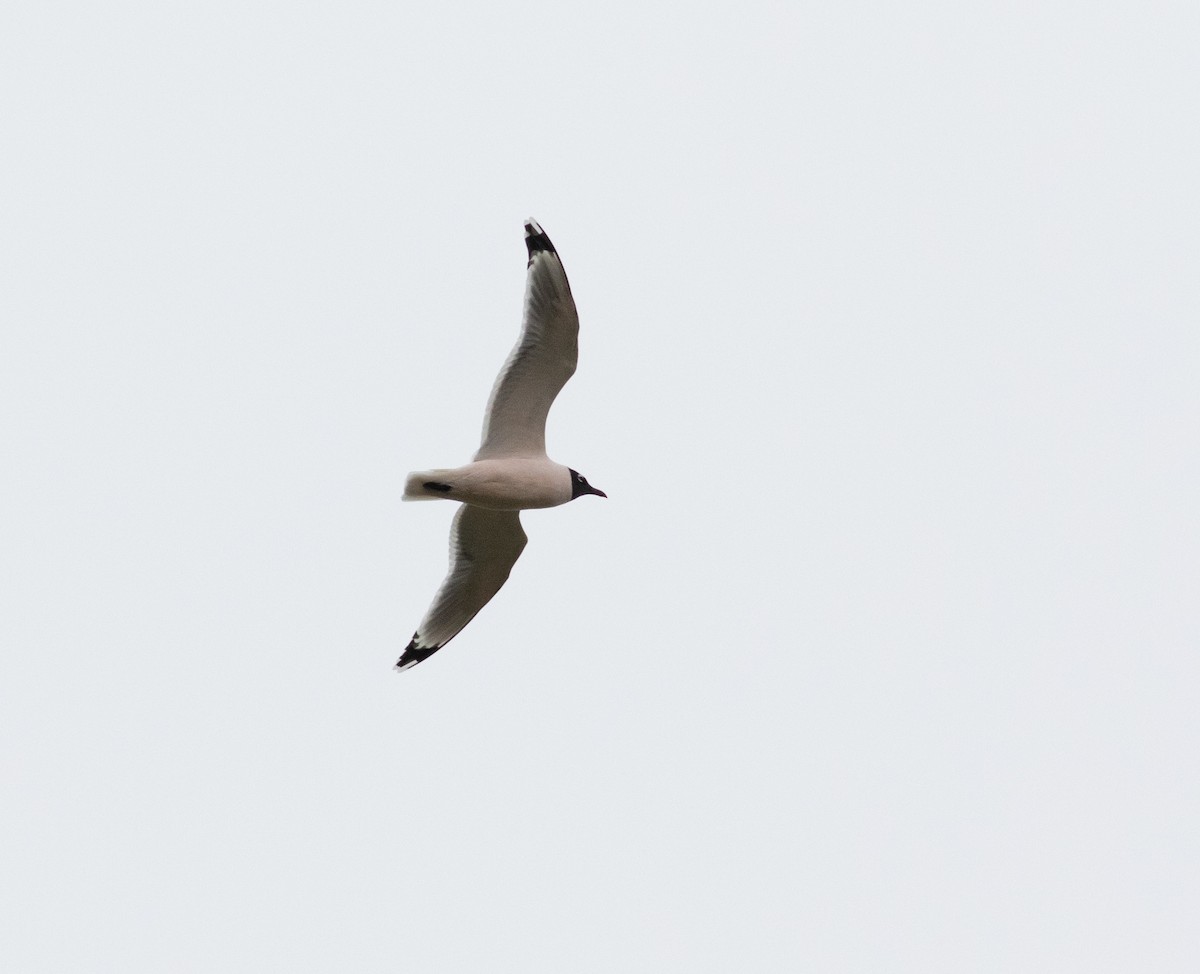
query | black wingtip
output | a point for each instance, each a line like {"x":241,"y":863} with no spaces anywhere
{"x":414,"y":654}
{"x":536,"y":239}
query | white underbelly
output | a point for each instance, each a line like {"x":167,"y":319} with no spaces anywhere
{"x":508,"y":485}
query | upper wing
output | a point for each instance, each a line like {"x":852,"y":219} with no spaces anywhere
{"x":484,"y":545}
{"x":540,"y":364}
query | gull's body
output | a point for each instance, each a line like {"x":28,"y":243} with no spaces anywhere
{"x":511,"y":471}
{"x":517,"y":484}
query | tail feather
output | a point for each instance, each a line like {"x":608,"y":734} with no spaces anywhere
{"x":426,"y":485}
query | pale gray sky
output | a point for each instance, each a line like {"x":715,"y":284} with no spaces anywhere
{"x":882,"y":655}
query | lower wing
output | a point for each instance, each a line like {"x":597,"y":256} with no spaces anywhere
{"x":484,"y":546}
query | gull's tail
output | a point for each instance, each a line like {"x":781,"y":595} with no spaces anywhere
{"x":427,"y":485}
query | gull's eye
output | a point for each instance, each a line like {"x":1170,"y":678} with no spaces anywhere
{"x":582,"y":478}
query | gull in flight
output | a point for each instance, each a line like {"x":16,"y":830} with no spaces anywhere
{"x":511,"y":471}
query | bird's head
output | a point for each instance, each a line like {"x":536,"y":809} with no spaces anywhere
{"x":580,"y":486}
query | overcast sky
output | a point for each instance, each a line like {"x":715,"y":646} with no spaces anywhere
{"x":882,"y":654}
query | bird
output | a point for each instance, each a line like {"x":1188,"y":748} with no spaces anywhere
{"x":510,"y":471}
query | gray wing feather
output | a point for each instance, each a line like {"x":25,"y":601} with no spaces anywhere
{"x":484,"y":546}
{"x":540,"y":364}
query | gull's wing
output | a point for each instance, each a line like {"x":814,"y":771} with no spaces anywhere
{"x":542,"y":361}
{"x":484,"y":545}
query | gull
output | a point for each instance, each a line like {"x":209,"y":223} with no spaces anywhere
{"x":510,"y":472}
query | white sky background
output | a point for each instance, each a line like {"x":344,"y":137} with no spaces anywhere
{"x":881,"y":656}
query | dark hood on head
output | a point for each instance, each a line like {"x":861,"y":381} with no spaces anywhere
{"x":580,"y":486}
